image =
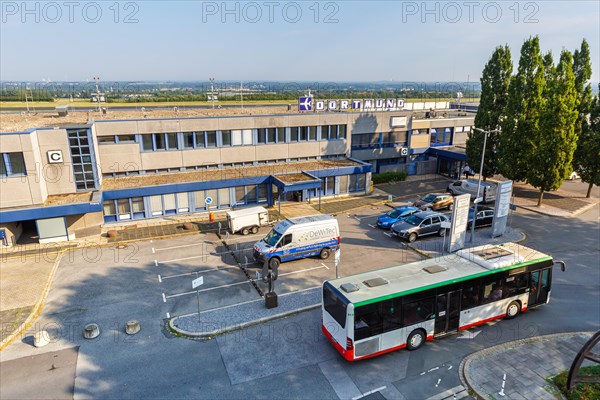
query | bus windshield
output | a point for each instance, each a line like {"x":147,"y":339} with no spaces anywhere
{"x":334,"y":305}
{"x":272,"y":237}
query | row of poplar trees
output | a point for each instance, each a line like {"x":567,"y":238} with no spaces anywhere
{"x":546,"y":120}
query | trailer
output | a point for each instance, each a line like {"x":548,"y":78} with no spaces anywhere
{"x":247,"y":220}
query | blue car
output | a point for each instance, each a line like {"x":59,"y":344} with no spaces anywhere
{"x":397,"y":214}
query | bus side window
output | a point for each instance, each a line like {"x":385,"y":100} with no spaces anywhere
{"x":368,"y":321}
{"x":391,"y":311}
{"x":515,"y":285}
{"x":417,"y":311}
{"x":470,"y":296}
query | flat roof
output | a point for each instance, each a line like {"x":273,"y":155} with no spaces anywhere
{"x":453,"y":268}
{"x":130,"y":182}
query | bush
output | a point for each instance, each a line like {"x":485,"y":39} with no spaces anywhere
{"x":587,"y":391}
{"x":389,"y":177}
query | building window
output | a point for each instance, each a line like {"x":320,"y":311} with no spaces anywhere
{"x":12,"y":164}
{"x":81,"y":156}
{"x":172,"y":141}
{"x":261,"y":136}
{"x":281,"y":135}
{"x":188,"y":140}
{"x":211,"y":139}
{"x":106,"y":140}
{"x":271,"y":135}
{"x":357,"y":183}
{"x":159,"y":141}
{"x":226,"y":138}
{"x":125,"y":138}
{"x":312,"y":133}
{"x":294,"y":134}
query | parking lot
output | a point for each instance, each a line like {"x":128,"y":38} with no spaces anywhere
{"x":178,"y":262}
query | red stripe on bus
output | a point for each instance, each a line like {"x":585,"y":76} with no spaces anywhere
{"x":347,"y":354}
{"x":388,"y":350}
{"x":483,"y":321}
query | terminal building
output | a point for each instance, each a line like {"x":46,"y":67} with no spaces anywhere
{"x":63,"y":181}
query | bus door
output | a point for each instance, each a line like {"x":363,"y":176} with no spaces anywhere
{"x":448,"y":312}
{"x":539,"y":287}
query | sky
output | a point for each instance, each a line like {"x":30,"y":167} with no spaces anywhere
{"x":324,"y":41}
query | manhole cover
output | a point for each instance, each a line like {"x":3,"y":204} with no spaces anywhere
{"x":121,"y":246}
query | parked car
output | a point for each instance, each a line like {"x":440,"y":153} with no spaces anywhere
{"x":420,"y":224}
{"x":485,"y":217}
{"x":487,"y":190}
{"x":574,"y":175}
{"x":435,"y":201}
{"x":388,"y":219}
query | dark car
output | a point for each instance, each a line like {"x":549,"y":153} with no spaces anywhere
{"x":485,"y":217}
{"x":388,"y":219}
{"x":435,"y":201}
{"x":420,"y":224}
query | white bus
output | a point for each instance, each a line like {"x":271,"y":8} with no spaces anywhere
{"x":376,"y":312}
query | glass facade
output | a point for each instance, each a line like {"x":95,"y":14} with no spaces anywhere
{"x":84,"y":167}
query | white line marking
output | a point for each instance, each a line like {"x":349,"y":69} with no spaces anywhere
{"x":203,"y":271}
{"x":438,"y":382}
{"x":356,"y":218}
{"x":449,"y":368}
{"x":168,"y":315}
{"x":176,"y":247}
{"x":433,"y":369}
{"x":153,"y":251}
{"x":155,"y":263}
{"x":164,"y":298}
{"x":238,"y":283}
{"x":180,"y":259}
{"x":249,"y":302}
{"x":323,"y":264}
{"x":159,"y":279}
{"x":371,"y":225}
{"x":150,"y":240}
{"x":369,"y":392}
{"x":423,"y":373}
{"x":387,"y":234}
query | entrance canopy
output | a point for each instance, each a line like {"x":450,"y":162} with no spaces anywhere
{"x":297,"y":181}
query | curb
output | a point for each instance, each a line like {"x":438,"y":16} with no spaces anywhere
{"x":463,"y":371}
{"x":221,"y":331}
{"x":568,"y":214}
{"x":37,"y":308}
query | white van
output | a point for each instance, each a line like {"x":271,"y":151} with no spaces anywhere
{"x":247,"y":220}
{"x":469,"y":186}
{"x":300,"y":237}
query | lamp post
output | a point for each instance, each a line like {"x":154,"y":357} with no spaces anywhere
{"x":478,"y":199}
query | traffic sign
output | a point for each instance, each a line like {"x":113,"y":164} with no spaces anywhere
{"x":208,"y":200}
{"x":197,"y":282}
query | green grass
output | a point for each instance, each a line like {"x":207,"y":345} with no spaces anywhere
{"x":388,"y":177}
{"x":587,"y":391}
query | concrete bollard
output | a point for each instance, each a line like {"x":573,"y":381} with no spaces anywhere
{"x":41,"y":339}
{"x":132,"y":327}
{"x":91,"y":331}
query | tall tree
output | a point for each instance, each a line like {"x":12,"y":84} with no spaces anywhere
{"x":588,"y":147}
{"x":582,"y":68}
{"x":520,"y":128}
{"x":556,"y":140}
{"x":495,"y":80}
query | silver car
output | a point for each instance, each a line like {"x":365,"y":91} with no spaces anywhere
{"x":420,"y":224}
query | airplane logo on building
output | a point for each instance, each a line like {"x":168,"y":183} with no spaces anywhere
{"x":305,"y":104}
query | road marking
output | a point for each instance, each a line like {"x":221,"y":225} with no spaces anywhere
{"x":323,"y":264}
{"x":175,"y":247}
{"x":153,"y":251}
{"x":237,"y":283}
{"x":449,"y":368}
{"x":247,"y":236}
{"x":160,"y":280}
{"x":387,"y":234}
{"x":356,"y":218}
{"x":438,"y":382}
{"x":164,"y":298}
{"x":155,"y":263}
{"x":168,"y":316}
{"x":340,"y":381}
{"x":180,"y":259}
{"x":371,"y":225}
{"x":150,"y":240}
{"x":379,"y":389}
{"x":203,"y":271}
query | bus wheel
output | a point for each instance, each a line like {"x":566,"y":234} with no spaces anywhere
{"x":324,"y":254}
{"x":254,"y":229}
{"x":245,"y":231}
{"x":415,"y":339}
{"x":512,"y":310}
{"x":412,"y":237}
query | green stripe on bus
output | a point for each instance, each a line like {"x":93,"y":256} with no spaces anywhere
{"x":436,"y":285}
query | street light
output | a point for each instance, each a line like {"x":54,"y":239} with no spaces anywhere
{"x":478,"y":199}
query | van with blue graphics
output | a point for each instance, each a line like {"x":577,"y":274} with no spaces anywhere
{"x":294,"y":238}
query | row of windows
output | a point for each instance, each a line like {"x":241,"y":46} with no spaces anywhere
{"x":12,"y":164}
{"x":184,"y":202}
{"x":388,"y":315}
{"x":227,"y":138}
{"x":81,"y":156}
{"x":377,"y":140}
